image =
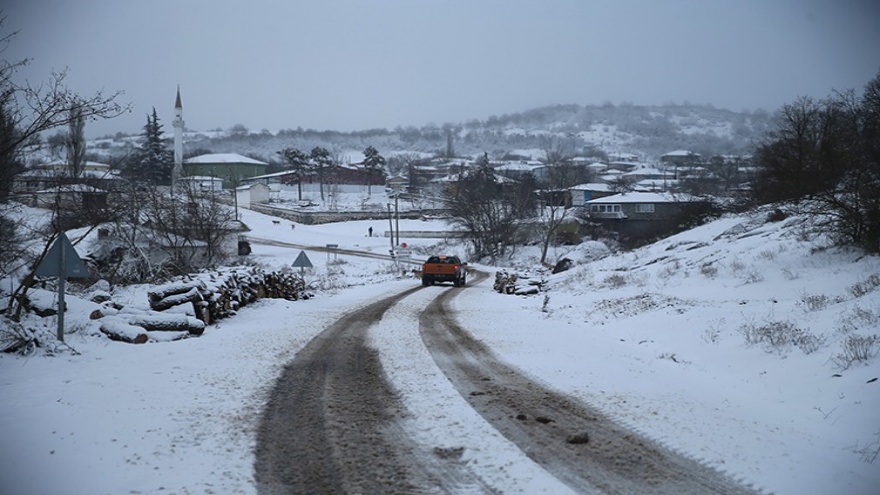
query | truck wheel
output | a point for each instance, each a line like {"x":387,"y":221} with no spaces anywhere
{"x":426,"y":281}
{"x":456,"y":282}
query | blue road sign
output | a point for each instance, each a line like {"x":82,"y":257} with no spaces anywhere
{"x":62,"y":261}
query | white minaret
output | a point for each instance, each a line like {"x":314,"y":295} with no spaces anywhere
{"x":177,"y":171}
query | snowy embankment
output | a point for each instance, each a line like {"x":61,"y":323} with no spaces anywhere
{"x":727,"y":343}
{"x":724,"y":343}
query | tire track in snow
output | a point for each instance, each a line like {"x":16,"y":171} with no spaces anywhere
{"x":579,"y":445}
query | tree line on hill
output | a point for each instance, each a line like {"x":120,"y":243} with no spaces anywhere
{"x":648,"y":130}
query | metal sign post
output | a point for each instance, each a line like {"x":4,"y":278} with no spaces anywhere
{"x":303,"y":262}
{"x":61,"y":261}
{"x":332,"y":248}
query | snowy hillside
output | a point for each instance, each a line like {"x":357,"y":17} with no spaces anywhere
{"x":647,"y":131}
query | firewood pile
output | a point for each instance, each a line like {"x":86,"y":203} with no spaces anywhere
{"x":511,"y":283}
{"x":137,"y":327}
{"x":505,"y":282}
{"x":220,"y":294}
{"x":213,"y":296}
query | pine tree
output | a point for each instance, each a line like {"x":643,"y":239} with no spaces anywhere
{"x":299,"y":165}
{"x":321,"y":163}
{"x":373,"y":164}
{"x":154,"y":161}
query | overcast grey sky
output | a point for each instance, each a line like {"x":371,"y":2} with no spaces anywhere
{"x":358,"y":64}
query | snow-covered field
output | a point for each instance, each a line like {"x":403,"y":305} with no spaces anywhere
{"x":657,"y":337}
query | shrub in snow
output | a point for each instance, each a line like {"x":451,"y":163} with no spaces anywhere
{"x":856,"y":348}
{"x":780,"y":336}
{"x":866,"y":286}
{"x":858,"y":317}
{"x":815,"y":302}
{"x":615,"y":281}
{"x":709,"y":270}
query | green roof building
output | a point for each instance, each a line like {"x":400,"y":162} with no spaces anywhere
{"x":231,"y":167}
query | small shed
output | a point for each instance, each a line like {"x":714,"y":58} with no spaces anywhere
{"x":249,"y":194}
{"x":71,"y":196}
{"x":204,"y":182}
{"x":396,"y":182}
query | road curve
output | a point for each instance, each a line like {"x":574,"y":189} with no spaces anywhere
{"x":333,"y":424}
{"x":576,"y":443}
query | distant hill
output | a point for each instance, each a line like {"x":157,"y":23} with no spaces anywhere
{"x":646,"y":131}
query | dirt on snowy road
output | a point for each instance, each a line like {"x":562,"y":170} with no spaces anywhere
{"x":334,"y":424}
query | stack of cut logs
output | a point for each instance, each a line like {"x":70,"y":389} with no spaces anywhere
{"x":220,"y":294}
{"x":505,"y":283}
{"x":213,"y":296}
{"x":510,"y":283}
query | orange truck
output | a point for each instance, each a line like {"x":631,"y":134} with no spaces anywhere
{"x":443,"y":268}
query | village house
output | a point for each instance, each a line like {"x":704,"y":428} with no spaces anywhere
{"x":57,"y":173}
{"x":650,"y":179}
{"x":396,"y":183}
{"x":597,"y":168}
{"x":636,"y":216}
{"x":521,"y":170}
{"x":582,"y":193}
{"x":71,"y":197}
{"x":681,"y":158}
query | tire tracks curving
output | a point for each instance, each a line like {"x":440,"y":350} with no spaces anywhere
{"x":576,"y":443}
{"x":333,"y":423}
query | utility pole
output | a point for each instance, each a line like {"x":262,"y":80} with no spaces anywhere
{"x":397,"y":218}
{"x":391,"y":228}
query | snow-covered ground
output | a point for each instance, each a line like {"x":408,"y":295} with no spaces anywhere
{"x":656,"y":337}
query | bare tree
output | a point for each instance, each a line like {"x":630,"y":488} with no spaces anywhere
{"x":26,"y":111}
{"x":828,"y":152}
{"x":798,"y":160}
{"x":208,"y":220}
{"x":564,"y":174}
{"x":161,"y":234}
{"x":32,"y":109}
{"x":76,"y":142}
{"x":557,"y":149}
{"x":488,"y":210}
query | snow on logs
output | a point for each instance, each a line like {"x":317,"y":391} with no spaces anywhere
{"x":138,"y":327}
{"x":213,"y":296}
{"x":510,"y":283}
{"x":218,"y":295}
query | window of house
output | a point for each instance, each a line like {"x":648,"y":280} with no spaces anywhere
{"x":605,"y":208}
{"x":645,"y":208}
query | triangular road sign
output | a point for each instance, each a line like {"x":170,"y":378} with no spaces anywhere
{"x":62,"y":260}
{"x":302,"y":260}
